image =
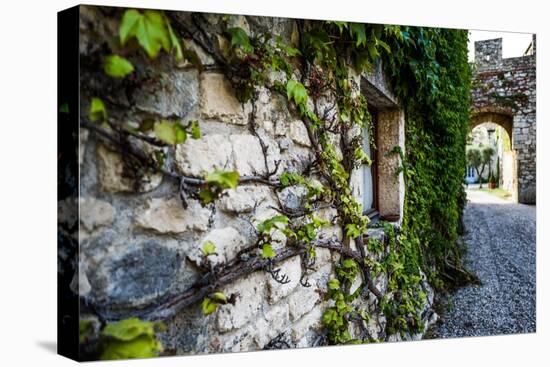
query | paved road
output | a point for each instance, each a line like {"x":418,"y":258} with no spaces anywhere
{"x":501,"y":240}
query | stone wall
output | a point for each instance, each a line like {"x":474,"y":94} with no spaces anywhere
{"x":138,"y":243}
{"x":504,"y":92}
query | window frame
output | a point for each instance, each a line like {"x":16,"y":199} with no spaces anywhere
{"x":374,"y":211}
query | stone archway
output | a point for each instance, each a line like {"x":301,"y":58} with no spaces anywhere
{"x":504,"y":92}
{"x":500,"y":116}
{"x":503,"y":118}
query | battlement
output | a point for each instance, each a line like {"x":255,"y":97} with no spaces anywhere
{"x":488,"y":53}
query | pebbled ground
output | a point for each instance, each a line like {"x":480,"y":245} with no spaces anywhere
{"x":501,"y":241}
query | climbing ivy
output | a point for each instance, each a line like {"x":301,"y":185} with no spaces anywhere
{"x":429,"y":72}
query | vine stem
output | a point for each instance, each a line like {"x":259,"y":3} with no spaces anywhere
{"x":215,"y":279}
{"x":147,"y":161}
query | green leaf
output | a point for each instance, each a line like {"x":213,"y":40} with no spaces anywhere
{"x":174,"y":40}
{"x":142,"y":347}
{"x":117,"y":67}
{"x":148,"y":28}
{"x":219,"y":297}
{"x":195,"y":130}
{"x":85,"y":328}
{"x":341,"y":25}
{"x":170,"y":132}
{"x":290,"y":178}
{"x":128,"y":25}
{"x":358,"y":30}
{"x":98,"y":112}
{"x":334,"y":284}
{"x":209,"y":248}
{"x":223,"y":179}
{"x":267,"y":251}
{"x":208,"y":306}
{"x":297,"y":92}
{"x":128,"y":329}
{"x":290,"y":51}
{"x":278,"y":221}
{"x":207,"y":196}
{"x":64,"y":108}
{"x":352,"y":230}
{"x":384,"y":45}
{"x":239,"y":38}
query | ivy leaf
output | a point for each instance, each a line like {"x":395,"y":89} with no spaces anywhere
{"x":130,"y":338}
{"x":267,"y":251}
{"x":239,"y":38}
{"x":207,"y":196}
{"x":148,"y":28}
{"x":358,"y":30}
{"x":219,"y":297}
{"x":352,"y":230}
{"x":278,"y":221}
{"x":64,"y":108}
{"x":297,"y":92}
{"x":290,"y":51}
{"x":142,"y":347}
{"x":174,"y":40}
{"x":98,"y":112}
{"x":208,"y":306}
{"x":208,"y":248}
{"x":362,"y":61}
{"x":128,"y":329}
{"x":224,"y":179}
{"x":334,"y":284}
{"x":117,"y":67}
{"x":170,"y":132}
{"x":85,"y":328}
{"x":128,"y":25}
{"x":340,"y":25}
{"x":195,"y":130}
{"x":384,"y":45}
{"x":290,"y":178}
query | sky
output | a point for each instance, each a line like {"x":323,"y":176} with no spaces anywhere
{"x":513,"y":44}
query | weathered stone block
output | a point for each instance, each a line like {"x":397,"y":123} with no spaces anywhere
{"x":302,"y":301}
{"x":169,"y":216}
{"x":248,"y":156}
{"x":291,"y":268}
{"x":228,"y":242}
{"x":274,"y":322}
{"x":236,"y":341}
{"x":243,"y":199}
{"x":95,"y":213}
{"x":218,"y":101}
{"x":298,"y":133}
{"x":293,"y":197}
{"x":311,"y":321}
{"x":250,"y":292}
{"x":173,"y":95}
{"x":113,"y":179}
{"x":141,"y":274}
{"x":209,"y":153}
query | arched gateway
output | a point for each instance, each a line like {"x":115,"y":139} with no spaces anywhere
{"x":504,"y":92}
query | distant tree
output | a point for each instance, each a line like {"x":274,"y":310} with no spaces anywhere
{"x":487,"y":158}
{"x":479,"y":160}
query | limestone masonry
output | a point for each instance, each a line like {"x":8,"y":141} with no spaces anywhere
{"x":138,"y":243}
{"x":504,"y":92}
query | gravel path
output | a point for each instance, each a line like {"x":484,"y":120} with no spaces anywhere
{"x":501,"y":240}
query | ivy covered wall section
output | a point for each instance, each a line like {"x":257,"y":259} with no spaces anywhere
{"x":430,"y":72}
{"x":217,"y":161}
